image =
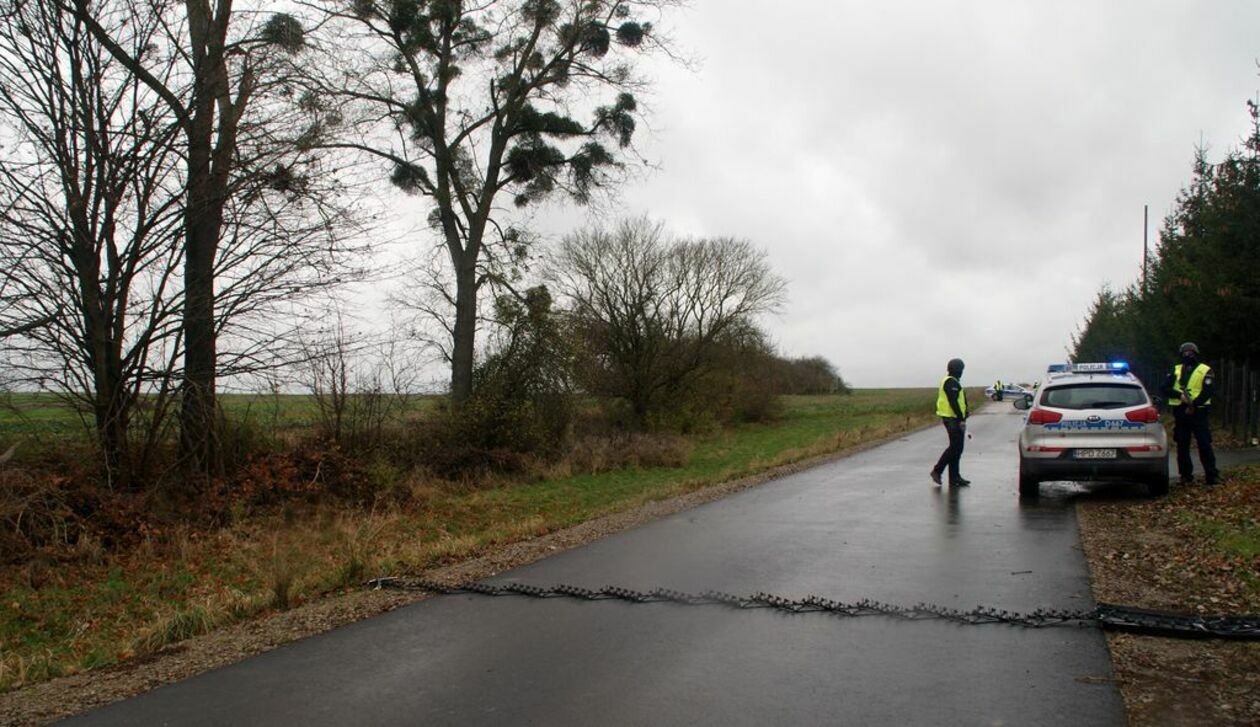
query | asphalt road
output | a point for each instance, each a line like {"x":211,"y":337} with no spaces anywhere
{"x":868,"y":526}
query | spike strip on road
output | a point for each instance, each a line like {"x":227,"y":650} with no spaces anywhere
{"x":1109,"y":616}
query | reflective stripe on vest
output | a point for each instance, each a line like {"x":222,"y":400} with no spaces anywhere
{"x":943,"y":409}
{"x":1193,"y":387}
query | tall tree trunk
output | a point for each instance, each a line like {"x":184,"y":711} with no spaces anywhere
{"x":203,"y":219}
{"x":465,"y":332}
{"x":198,"y":437}
{"x":210,"y":121}
{"x":113,"y":414}
{"x":110,"y":403}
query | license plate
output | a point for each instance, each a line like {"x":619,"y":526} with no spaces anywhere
{"x":1095,"y":454}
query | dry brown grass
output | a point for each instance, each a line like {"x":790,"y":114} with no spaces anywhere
{"x":282,"y":571}
{"x":178,"y":626}
{"x":27,"y":668}
{"x":621,"y":451}
{"x":196,"y":619}
{"x":360,"y":539}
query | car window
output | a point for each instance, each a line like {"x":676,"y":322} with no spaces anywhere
{"x":1093,"y":396}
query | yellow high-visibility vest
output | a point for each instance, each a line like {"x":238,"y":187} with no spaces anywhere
{"x":943,"y":409}
{"x":1194,"y":386}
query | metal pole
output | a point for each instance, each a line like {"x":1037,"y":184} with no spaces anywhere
{"x":1146,"y":210}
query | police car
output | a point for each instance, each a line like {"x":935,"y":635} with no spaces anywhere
{"x":1092,"y":421}
{"x":1010,"y":392}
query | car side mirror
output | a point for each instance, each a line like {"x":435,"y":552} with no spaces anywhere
{"x":1022,"y":403}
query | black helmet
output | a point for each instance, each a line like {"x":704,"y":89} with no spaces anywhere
{"x":1188,"y":348}
{"x":954,"y":367}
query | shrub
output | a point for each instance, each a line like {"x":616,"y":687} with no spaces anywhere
{"x":308,"y":472}
{"x":521,"y":408}
{"x":477,"y":437}
{"x":53,"y":505}
{"x":357,"y":399}
{"x":243,"y":438}
{"x":34,"y":511}
{"x":812,"y":375}
{"x":737,"y":386}
{"x":654,"y":313}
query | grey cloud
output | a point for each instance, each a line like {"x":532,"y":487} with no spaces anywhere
{"x":942,"y":178}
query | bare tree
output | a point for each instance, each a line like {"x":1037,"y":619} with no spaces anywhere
{"x":469,"y":102}
{"x":90,"y":219}
{"x":651,"y":312}
{"x":231,"y":90}
{"x":102,"y":199}
{"x":216,"y":71}
{"x":359,"y":384}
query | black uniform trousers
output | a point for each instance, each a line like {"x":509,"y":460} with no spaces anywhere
{"x":1193,"y":425}
{"x":953,"y":453}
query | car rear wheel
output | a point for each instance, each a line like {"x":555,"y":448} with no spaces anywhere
{"x":1157,"y":484}
{"x":1028,"y":483}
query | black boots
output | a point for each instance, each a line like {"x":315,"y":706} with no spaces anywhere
{"x":956,"y":482}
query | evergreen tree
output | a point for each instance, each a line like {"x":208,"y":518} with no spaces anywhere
{"x":1202,"y":285}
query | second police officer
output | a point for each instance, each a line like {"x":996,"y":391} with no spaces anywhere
{"x":951,"y":407}
{"x":1189,"y":391}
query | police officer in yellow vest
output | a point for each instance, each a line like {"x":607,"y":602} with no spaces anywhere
{"x":1189,"y":392}
{"x":951,"y":407}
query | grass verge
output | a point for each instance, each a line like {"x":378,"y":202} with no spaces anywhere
{"x":64,"y":617}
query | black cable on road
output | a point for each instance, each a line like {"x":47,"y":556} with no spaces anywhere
{"x":1107,"y":616}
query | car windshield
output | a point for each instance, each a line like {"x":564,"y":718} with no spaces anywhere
{"x":1093,"y":396}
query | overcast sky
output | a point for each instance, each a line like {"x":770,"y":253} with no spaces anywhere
{"x":940,"y":179}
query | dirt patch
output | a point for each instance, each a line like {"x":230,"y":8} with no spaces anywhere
{"x":59,"y":698}
{"x":1169,"y":553}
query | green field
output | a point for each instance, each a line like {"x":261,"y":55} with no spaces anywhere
{"x":810,"y":426}
{"x":40,"y":417}
{"x":93,"y":608}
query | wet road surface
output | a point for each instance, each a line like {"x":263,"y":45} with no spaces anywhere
{"x":868,"y":526}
